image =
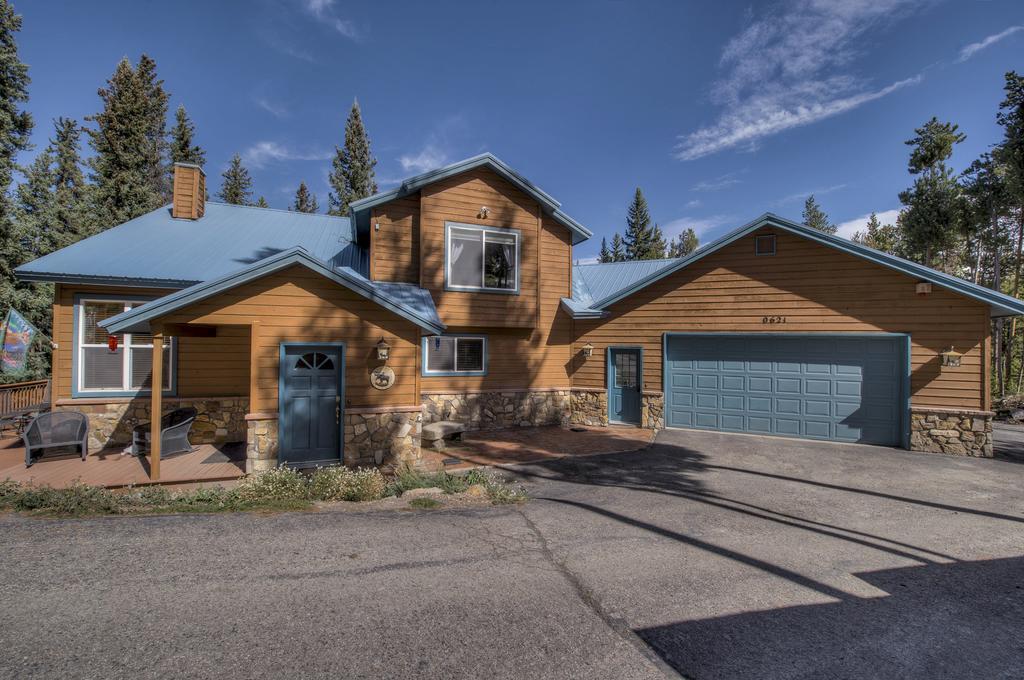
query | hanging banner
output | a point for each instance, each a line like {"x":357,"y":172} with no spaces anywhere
{"x":18,"y":336}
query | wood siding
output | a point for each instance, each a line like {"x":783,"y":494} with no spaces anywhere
{"x":297,"y":305}
{"x":206,"y":367}
{"x":528,"y":358}
{"x":459,"y":199}
{"x":395,"y":246}
{"x":817,"y":289}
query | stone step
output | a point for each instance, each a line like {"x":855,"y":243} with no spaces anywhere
{"x":442,"y":429}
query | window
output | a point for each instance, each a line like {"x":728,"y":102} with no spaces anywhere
{"x":625,"y":370}
{"x":129,"y":368}
{"x":482,"y":258}
{"x":764,"y":245}
{"x":448,"y":354}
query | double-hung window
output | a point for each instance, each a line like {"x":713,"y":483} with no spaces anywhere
{"x":454,"y":355}
{"x":482,"y":258}
{"x":127,"y":369}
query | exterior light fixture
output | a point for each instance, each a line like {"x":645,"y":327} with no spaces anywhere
{"x":923,"y":288}
{"x":950,"y":357}
{"x":383,"y":350}
{"x":588,"y":351}
{"x":484,"y":211}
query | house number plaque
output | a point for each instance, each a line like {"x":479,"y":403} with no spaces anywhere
{"x":382,"y":378}
{"x":773,"y":320}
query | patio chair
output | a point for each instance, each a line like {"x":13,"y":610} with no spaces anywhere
{"x":53,"y":429}
{"x":174,"y":430}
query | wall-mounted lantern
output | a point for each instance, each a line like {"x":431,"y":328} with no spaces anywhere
{"x":950,"y":357}
{"x":588,"y":351}
{"x":383,"y":350}
{"x":923,"y":288}
{"x":484,"y":212}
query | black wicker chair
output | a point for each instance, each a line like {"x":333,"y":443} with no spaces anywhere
{"x":174,"y":429}
{"x":53,"y":429}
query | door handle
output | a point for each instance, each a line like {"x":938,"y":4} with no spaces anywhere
{"x":337,"y":410}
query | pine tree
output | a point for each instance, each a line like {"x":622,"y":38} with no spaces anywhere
{"x":878,"y":236}
{"x":605,"y":255}
{"x":237,"y":185}
{"x":262,"y":203}
{"x":305,"y":200}
{"x":639,"y":236}
{"x":618,"y":249}
{"x":656,"y":250}
{"x":815,"y":217}
{"x":156,"y":127}
{"x":70,"y":192}
{"x":125,"y":164}
{"x":684,"y":244}
{"x":352,"y":175}
{"x":183,"y":146}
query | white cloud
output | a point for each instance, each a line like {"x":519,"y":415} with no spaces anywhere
{"x":695,"y":203}
{"x":700,"y":225}
{"x":849,"y":228}
{"x":718,"y":183}
{"x":792,"y":67}
{"x":802,"y":195}
{"x":323,"y":11}
{"x":261,"y":153}
{"x":275,"y":109}
{"x":430,"y":157}
{"x":970,"y":50}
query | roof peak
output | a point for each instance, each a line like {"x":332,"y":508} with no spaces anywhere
{"x":280,"y":210}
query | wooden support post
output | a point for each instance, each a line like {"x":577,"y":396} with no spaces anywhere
{"x":156,"y":410}
{"x":254,"y":343}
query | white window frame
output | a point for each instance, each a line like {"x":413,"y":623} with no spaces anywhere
{"x":124,"y":342}
{"x":458,"y":338}
{"x":515,"y":233}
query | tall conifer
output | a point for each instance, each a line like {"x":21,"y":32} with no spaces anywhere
{"x":352,"y":175}
{"x":237,"y":185}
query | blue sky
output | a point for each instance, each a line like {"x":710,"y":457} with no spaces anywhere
{"x":719,"y":112}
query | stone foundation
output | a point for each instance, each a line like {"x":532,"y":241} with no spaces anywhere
{"x":652,"y":411}
{"x":497,"y":410}
{"x":261,"y":443}
{"x":111,"y":423}
{"x":963,"y":433}
{"x":589,"y":407}
{"x":382,"y":437}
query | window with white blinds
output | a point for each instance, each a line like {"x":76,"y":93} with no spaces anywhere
{"x":129,"y":368}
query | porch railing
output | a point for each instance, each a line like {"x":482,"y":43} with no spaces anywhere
{"x":24,"y":397}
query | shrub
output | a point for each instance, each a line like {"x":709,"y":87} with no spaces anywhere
{"x":345,"y":484}
{"x":277,"y":484}
{"x":425,"y":503}
{"x":78,"y":499}
{"x":498,"y":490}
{"x":9,"y":490}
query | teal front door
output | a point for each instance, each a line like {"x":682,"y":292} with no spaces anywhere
{"x":310,"y":404}
{"x":624,"y":385}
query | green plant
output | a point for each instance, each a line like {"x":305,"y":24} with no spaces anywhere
{"x":280,"y":484}
{"x":9,"y":490}
{"x":425,"y":503}
{"x":346,"y":484}
{"x":78,"y":499}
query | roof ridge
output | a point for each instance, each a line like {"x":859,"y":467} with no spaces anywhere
{"x":658,"y":259}
{"x":280,"y":210}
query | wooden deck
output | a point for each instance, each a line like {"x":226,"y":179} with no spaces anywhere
{"x":109,"y":468}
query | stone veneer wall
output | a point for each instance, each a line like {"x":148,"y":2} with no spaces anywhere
{"x":261,"y":443}
{"x":652,"y":411}
{"x":495,"y":410}
{"x":964,"y":433}
{"x":589,"y":407}
{"x":383,"y":437}
{"x":111,"y":423}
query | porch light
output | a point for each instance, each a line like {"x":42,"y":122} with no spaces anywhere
{"x":588,"y":351}
{"x":951,"y":358}
{"x":923,"y":288}
{"x":383,"y":350}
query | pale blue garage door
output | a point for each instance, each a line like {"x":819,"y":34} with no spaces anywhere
{"x":846,"y":389}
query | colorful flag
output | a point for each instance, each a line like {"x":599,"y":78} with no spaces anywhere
{"x":18,"y":336}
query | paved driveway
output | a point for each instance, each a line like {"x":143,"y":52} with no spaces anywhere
{"x":709,"y":555}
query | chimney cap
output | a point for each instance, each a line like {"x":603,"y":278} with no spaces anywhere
{"x":190,"y":165}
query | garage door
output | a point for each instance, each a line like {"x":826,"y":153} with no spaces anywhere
{"x":838,"y":388}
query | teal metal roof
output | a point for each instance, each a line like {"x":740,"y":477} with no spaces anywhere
{"x":360,"y":209}
{"x":405,"y":300}
{"x":1000,"y":304}
{"x":157,"y":250}
{"x":597,"y":281}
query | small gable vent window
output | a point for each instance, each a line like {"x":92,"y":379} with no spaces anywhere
{"x":454,"y":355}
{"x":764,"y":245}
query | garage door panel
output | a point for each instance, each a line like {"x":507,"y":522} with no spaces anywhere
{"x":846,"y":389}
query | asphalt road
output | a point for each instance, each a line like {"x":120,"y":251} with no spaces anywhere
{"x":708,"y":555}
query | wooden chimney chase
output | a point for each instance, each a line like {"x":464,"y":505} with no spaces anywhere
{"x":189,"y":191}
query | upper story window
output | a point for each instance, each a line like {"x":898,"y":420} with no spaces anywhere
{"x":127,"y":369}
{"x":482,"y":258}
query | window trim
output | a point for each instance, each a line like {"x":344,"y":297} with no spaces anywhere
{"x":757,"y":240}
{"x":517,"y":233}
{"x":77,"y":355}
{"x":427,"y":373}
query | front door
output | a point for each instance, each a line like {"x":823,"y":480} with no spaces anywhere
{"x":310,"y":404}
{"x":624,"y":384}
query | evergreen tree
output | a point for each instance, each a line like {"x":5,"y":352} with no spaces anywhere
{"x":71,"y":214}
{"x":685,"y":244}
{"x":262,"y":203}
{"x":878,"y":236}
{"x":125,"y":164}
{"x":618,"y":249}
{"x":155,"y":99}
{"x":183,"y":146}
{"x":352,"y":175}
{"x":237,"y":185}
{"x":658,"y":247}
{"x":639,"y":235}
{"x":305,"y":200}
{"x":605,"y":255}
{"x":816,"y":218}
